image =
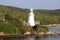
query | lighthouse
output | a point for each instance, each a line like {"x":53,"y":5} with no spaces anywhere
{"x":31,"y":21}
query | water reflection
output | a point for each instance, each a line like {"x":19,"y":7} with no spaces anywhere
{"x":35,"y":38}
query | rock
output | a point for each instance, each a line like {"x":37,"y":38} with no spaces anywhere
{"x":27,"y":33}
{"x":41,"y":33}
{"x":2,"y":33}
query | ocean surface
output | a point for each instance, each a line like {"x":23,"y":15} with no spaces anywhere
{"x":50,"y":37}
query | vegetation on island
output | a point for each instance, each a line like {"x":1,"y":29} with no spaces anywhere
{"x":14,"y":20}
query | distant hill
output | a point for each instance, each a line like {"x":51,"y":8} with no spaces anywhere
{"x":51,"y":12}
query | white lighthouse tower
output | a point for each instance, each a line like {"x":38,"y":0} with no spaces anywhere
{"x":31,"y":18}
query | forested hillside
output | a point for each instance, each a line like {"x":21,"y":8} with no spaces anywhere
{"x":12,"y":18}
{"x":44,"y":16}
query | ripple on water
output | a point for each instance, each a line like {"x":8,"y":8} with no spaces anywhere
{"x":35,"y":38}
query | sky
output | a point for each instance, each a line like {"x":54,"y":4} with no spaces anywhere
{"x":35,"y":4}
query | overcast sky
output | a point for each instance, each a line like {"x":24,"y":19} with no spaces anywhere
{"x":35,"y":4}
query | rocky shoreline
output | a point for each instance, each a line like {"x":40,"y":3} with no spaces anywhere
{"x":52,"y":25}
{"x":28,"y":34}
